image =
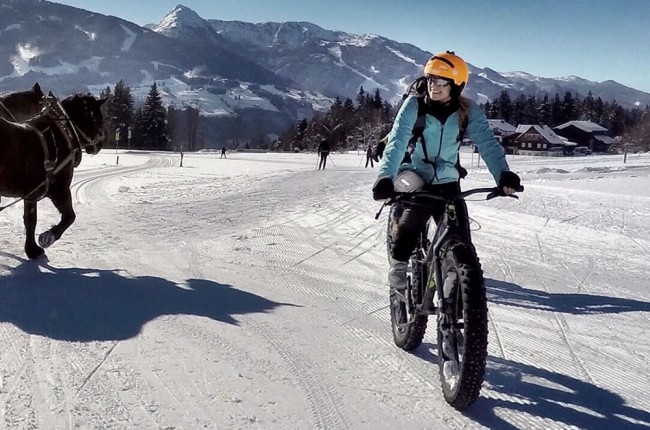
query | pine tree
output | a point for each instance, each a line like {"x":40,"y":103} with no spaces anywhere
{"x":544,"y":111}
{"x":587,"y":108}
{"x":530,"y":110}
{"x":557,"y":112}
{"x":504,"y":107}
{"x":109,"y":114}
{"x":121,"y":107}
{"x":377,"y":101}
{"x":151,"y":125}
{"x":570,"y":107}
{"x":599,"y":111}
{"x":299,"y":139}
{"x":519,"y":111}
{"x":616,"y":123}
{"x":639,"y":136}
{"x":361,"y":97}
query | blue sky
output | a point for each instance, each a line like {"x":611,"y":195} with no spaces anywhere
{"x":593,"y":39}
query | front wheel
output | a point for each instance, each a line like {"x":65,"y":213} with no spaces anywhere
{"x":408,"y":326}
{"x":462,"y":325}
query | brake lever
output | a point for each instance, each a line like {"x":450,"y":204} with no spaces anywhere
{"x":381,"y":209}
{"x":499,"y":193}
{"x":387,"y":202}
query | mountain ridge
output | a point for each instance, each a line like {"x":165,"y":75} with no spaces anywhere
{"x":268,"y":75}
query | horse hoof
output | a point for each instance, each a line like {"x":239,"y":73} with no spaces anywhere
{"x":46,"y":239}
{"x":35,"y":253}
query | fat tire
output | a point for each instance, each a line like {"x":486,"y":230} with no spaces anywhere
{"x":462,"y":258}
{"x":411,"y":336}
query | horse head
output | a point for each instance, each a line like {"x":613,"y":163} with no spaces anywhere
{"x":21,"y":105}
{"x":85,"y":115}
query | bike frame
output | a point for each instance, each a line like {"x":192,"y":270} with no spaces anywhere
{"x":446,"y":229}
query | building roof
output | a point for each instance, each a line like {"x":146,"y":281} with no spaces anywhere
{"x":605,"y":139}
{"x":567,"y":142}
{"x":543,"y":130}
{"x":502,"y":125}
{"x":587,"y":126}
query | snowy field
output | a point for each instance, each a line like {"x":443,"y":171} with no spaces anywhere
{"x":250,"y":293}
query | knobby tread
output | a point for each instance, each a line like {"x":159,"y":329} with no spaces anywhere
{"x":472,"y":369}
{"x":414,"y":334}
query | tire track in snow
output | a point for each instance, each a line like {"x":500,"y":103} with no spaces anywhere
{"x":247,"y":361}
{"x":17,"y":368}
{"x":338,"y":291}
{"x":88,"y":178}
{"x":561,"y":323}
{"x":324,"y":404}
{"x":96,"y":368}
{"x":497,"y":336}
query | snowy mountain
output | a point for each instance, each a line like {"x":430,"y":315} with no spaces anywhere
{"x":68,"y":49}
{"x":338,"y":63}
{"x":331,"y":62}
{"x":267,"y":75}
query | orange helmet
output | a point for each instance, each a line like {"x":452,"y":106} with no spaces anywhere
{"x":450,"y":66}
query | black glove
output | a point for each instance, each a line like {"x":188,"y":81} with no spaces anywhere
{"x":383,"y":188}
{"x":511,"y":180}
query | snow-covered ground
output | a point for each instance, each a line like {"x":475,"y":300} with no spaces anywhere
{"x":250,"y":292}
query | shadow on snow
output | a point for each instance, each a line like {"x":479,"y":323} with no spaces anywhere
{"x":513,"y":387}
{"x":551,"y":396}
{"x":506,"y":293}
{"x":84,"y":305}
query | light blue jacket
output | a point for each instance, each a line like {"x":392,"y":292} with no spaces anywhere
{"x":442,"y":145}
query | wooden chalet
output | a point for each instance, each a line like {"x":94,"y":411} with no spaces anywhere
{"x":504,"y":132}
{"x":587,"y":134}
{"x":539,"y":140}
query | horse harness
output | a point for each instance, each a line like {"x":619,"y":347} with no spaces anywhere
{"x":6,"y":109}
{"x":72,"y":134}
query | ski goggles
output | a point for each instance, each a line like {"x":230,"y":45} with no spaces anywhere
{"x":437,"y":81}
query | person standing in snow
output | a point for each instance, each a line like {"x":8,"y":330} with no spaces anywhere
{"x":223,"y":152}
{"x":435,"y":157}
{"x":323,"y":152}
{"x":369,"y":156}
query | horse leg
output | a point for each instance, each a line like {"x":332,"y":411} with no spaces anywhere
{"x":29,"y":218}
{"x":63,"y":202}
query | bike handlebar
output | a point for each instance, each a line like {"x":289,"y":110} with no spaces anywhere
{"x":492,"y":193}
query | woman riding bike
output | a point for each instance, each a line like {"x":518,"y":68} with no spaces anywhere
{"x":435,"y":156}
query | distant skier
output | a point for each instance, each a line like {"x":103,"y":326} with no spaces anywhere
{"x":323,"y":152}
{"x":369,"y":156}
{"x":223,"y":152}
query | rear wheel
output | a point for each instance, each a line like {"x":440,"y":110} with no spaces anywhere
{"x":407,"y":326}
{"x":462,"y":325}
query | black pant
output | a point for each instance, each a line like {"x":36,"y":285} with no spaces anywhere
{"x":369,"y":160}
{"x":413,"y":218}
{"x":323,"y":160}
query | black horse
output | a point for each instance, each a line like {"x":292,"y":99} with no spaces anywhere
{"x":21,"y":105}
{"x":38,"y":156}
